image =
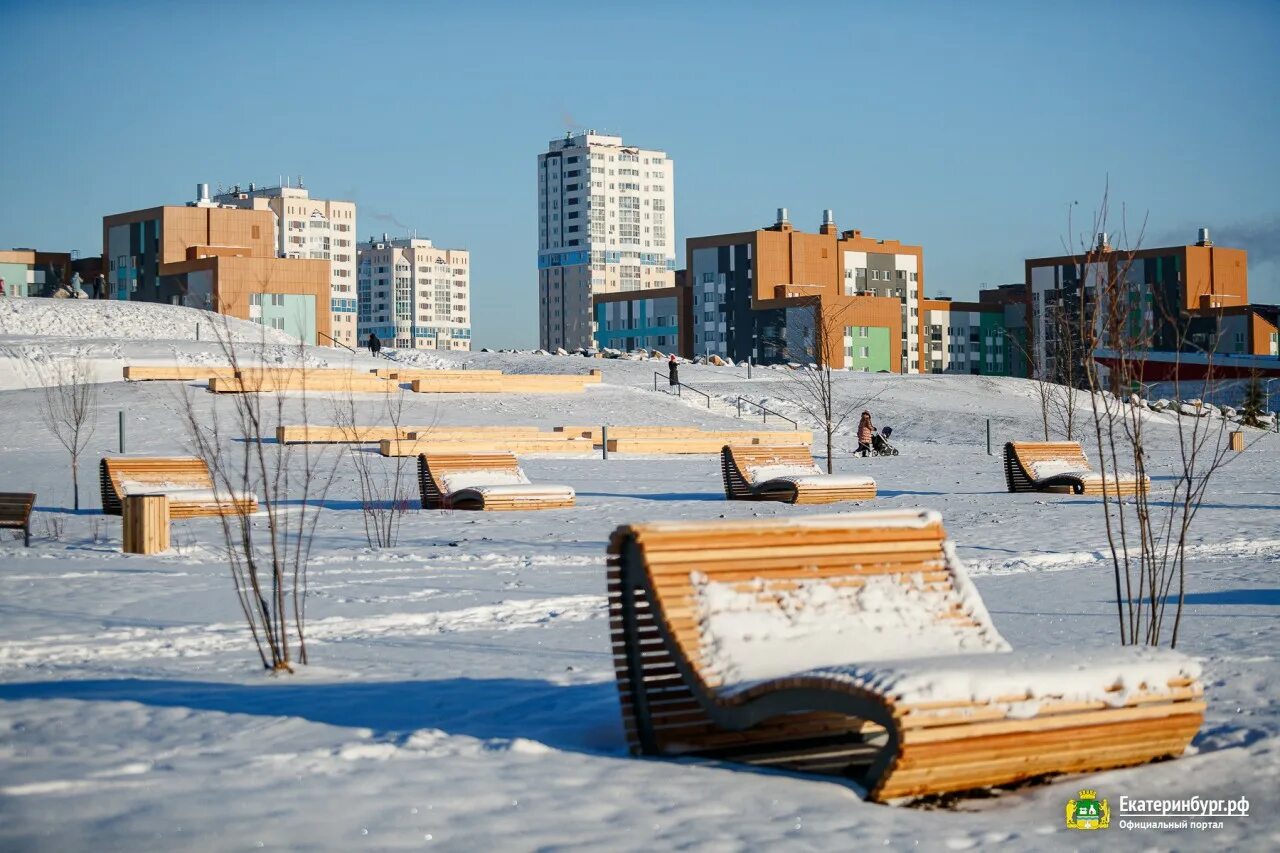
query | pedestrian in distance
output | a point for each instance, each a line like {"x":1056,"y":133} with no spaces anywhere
{"x":99,"y":286}
{"x":673,"y":371}
{"x":2,"y":291}
{"x":375,"y":345}
{"x":865,"y":431}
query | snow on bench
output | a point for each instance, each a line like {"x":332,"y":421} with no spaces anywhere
{"x":484,"y":481}
{"x":778,"y":473}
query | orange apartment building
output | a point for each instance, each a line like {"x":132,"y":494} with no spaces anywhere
{"x":218,"y":258}
{"x":1189,"y":298}
{"x":768,"y":293}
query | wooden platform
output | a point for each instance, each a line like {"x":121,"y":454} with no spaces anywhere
{"x":678,"y":697}
{"x":507,"y":383}
{"x":315,"y":434}
{"x":183,"y":373}
{"x":681,"y":433}
{"x":296,"y":380}
{"x":523,"y":444}
{"x":704,"y":443}
{"x":793,"y":477}
{"x":1021,"y":457}
{"x":185,"y":479}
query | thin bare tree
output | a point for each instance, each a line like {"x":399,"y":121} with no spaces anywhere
{"x":268,"y":552}
{"x":386,"y":484}
{"x":1148,"y":539}
{"x":67,"y":406}
{"x":813,"y":387}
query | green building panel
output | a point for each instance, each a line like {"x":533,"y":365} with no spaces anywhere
{"x":997,"y":356}
{"x":876,"y":342}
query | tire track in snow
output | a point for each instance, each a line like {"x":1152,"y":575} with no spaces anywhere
{"x":1074,"y":560}
{"x":129,"y":644}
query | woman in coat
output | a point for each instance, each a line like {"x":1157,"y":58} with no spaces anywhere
{"x":865,"y":431}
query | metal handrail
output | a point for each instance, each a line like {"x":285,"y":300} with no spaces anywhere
{"x":679,"y":386}
{"x":765,"y":411}
{"x":336,"y":341}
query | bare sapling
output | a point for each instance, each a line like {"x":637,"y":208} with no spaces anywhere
{"x":813,"y":388}
{"x":1120,"y":318}
{"x":67,"y":406}
{"x":387,"y":487}
{"x":268,"y":551}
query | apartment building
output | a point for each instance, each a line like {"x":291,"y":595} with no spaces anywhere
{"x":306,"y":227}
{"x":772,"y":294}
{"x":606,"y":224}
{"x":656,"y":319}
{"x":217,"y":258}
{"x":413,"y":294}
{"x":1163,"y":288}
{"x":966,"y":337}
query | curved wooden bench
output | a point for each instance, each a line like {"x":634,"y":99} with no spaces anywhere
{"x":483,"y":481}
{"x":184,"y":479}
{"x":898,"y":677}
{"x":1062,"y":465}
{"x":15,"y":512}
{"x":785,"y":473}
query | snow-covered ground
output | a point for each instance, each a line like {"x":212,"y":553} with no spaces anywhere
{"x":461,"y":694}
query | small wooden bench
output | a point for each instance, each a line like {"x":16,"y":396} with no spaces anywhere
{"x":1047,"y":466}
{"x":856,"y":644}
{"x":483,"y":481}
{"x":760,"y":473}
{"x":184,"y":479}
{"x":15,"y":513}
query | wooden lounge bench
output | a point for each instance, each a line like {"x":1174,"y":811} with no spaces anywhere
{"x":1042,"y":466}
{"x":483,"y":481}
{"x":856,"y":645}
{"x":184,"y":479}
{"x":15,"y":513}
{"x":761,"y":473}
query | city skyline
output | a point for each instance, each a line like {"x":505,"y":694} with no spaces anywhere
{"x":885,"y":118}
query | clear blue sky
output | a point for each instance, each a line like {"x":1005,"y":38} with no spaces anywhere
{"x":966,"y":128}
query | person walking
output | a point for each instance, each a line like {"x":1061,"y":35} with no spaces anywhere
{"x":375,"y":345}
{"x":865,"y":431}
{"x":2,"y":293}
{"x":673,"y":371}
{"x":99,"y":286}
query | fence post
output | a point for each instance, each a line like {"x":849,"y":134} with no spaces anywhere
{"x":655,"y":380}
{"x":604,"y":442}
{"x":120,"y":421}
{"x":197,"y":331}
{"x":988,"y":436}
{"x":748,"y":367}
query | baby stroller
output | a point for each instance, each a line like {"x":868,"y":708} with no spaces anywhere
{"x":880,"y":445}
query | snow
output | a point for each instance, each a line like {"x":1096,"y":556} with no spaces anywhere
{"x":757,"y":632}
{"x":462,"y":682}
{"x":457,"y":480}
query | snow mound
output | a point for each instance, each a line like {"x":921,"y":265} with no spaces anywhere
{"x":113,"y":320}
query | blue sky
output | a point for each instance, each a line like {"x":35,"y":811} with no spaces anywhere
{"x":966,"y":128}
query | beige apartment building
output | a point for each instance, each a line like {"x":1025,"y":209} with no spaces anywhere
{"x":414,"y":294}
{"x":311,"y":228}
